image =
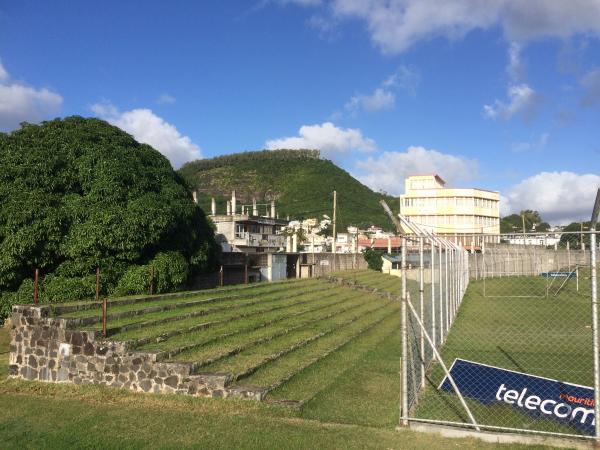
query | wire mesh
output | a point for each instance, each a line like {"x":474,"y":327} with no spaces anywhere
{"x":512,"y":322}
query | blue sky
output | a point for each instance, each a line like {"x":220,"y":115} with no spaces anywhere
{"x":501,"y":94}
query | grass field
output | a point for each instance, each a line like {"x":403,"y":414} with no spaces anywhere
{"x":43,"y":415}
{"x":328,"y":354}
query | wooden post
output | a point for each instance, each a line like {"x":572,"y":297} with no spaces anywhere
{"x":35,"y":286}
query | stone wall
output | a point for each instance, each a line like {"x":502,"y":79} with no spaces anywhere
{"x":43,"y":348}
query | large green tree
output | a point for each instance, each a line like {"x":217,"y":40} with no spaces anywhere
{"x":531,"y":219}
{"x":76,"y":194}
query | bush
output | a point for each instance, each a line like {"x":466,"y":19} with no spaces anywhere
{"x":171,"y":271}
{"x":373,"y":258}
{"x":23,"y":296}
{"x":59,"y":289}
{"x":135,"y":281}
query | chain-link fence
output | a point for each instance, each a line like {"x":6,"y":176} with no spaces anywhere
{"x":501,"y":337}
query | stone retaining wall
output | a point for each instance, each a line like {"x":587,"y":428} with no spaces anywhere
{"x":43,"y":348}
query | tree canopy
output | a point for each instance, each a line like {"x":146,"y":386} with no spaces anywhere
{"x":76,"y":194}
{"x":531,"y":219}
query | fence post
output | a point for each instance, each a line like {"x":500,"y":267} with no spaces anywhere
{"x":404,"y":332}
{"x":422,"y":309}
{"x":35,"y":286}
{"x":432,"y":270}
{"x":596,"y":338}
{"x":97,"y":283}
{"x":151,"y":280}
{"x":104,"y":315}
{"x":441,"y":302}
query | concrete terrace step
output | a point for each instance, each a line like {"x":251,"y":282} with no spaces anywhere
{"x":197,"y":311}
{"x":205,"y":295}
{"x":337,"y":342}
{"x":71,"y":307}
{"x":268,"y":335}
{"x":243,"y":364}
{"x":250,"y":370}
{"x":184,"y":333}
{"x":319,"y":375}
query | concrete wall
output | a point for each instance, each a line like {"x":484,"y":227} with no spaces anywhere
{"x":513,"y":260}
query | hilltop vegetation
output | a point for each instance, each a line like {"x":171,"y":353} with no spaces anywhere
{"x":77,"y":194}
{"x":300,"y":182}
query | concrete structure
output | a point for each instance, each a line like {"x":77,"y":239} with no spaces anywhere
{"x":241,"y":229}
{"x":456,"y":214}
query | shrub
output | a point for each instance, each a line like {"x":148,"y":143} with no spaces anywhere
{"x":373,"y":258}
{"x":135,"y":281}
{"x":58,"y":289}
{"x":23,"y":296}
{"x":171,"y":271}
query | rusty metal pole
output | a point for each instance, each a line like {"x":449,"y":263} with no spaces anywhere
{"x":104,"y":314}
{"x":97,"y":283}
{"x":35,"y":286}
{"x":221,"y":277}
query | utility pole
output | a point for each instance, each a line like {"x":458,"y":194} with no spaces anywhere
{"x":333,"y":249}
{"x":523,"y":219}
{"x":334,"y":218}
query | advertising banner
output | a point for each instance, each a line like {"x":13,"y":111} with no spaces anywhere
{"x":544,"y":398}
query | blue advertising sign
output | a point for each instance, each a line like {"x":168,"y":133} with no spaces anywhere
{"x":558,"y":274}
{"x":570,"y":404}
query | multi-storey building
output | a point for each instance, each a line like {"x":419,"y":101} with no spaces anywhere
{"x":465,"y":216}
{"x":242,"y":229}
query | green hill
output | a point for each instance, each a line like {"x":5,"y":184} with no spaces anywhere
{"x":300,"y":182}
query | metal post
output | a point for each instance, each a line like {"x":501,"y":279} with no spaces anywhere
{"x":104,"y":316}
{"x":35,"y":286}
{"x":97,"y":283}
{"x":221,"y":276}
{"x":432,"y":269}
{"x":447,"y":297}
{"x":444,"y":368}
{"x":596,"y":339}
{"x":404,"y":331}
{"x":422,"y":306}
{"x":441,"y":300}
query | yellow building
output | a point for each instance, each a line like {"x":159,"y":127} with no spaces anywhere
{"x":458,"y":214}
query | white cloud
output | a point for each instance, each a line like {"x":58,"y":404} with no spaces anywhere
{"x":22,"y":103}
{"x":538,"y":144}
{"x":166,"y":99}
{"x":147,"y":127}
{"x":522,"y":99}
{"x":591,"y":84}
{"x":560,"y":197}
{"x":378,"y":100}
{"x":388,"y":170}
{"x":396,"y":25}
{"x":327,"y":138}
{"x":384,"y":96}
